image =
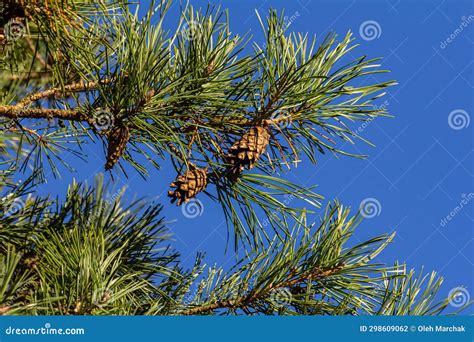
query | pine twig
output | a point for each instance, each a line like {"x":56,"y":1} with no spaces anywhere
{"x":28,"y":76}
{"x":75,"y":87}
{"x":318,"y":273}
{"x":15,"y":112}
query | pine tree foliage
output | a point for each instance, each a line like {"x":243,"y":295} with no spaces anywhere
{"x":73,"y":262}
{"x":231,"y":115}
{"x":56,"y":260}
{"x":95,"y":70}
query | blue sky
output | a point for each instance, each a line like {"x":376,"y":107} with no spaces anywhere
{"x":419,"y":173}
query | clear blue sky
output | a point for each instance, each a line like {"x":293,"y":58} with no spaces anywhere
{"x":421,"y":168}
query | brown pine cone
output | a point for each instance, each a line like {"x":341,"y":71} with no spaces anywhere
{"x":118,"y":138}
{"x":188,"y":185}
{"x":245,"y":152}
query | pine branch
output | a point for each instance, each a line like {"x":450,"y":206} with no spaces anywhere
{"x":317,"y":274}
{"x":196,"y":96}
{"x":194,"y":89}
{"x":108,"y":258}
{"x":63,"y":91}
{"x":19,"y":109}
{"x":92,"y":254}
{"x":14,"y":112}
{"x":28,"y":76}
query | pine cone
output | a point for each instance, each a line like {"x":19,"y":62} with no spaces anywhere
{"x":245,"y":152}
{"x":188,"y":185}
{"x":117,"y":141}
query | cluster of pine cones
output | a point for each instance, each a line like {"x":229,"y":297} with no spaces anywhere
{"x":243,"y":154}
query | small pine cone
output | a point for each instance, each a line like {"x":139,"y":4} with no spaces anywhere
{"x":188,"y":185}
{"x":118,"y":138}
{"x":245,"y":152}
